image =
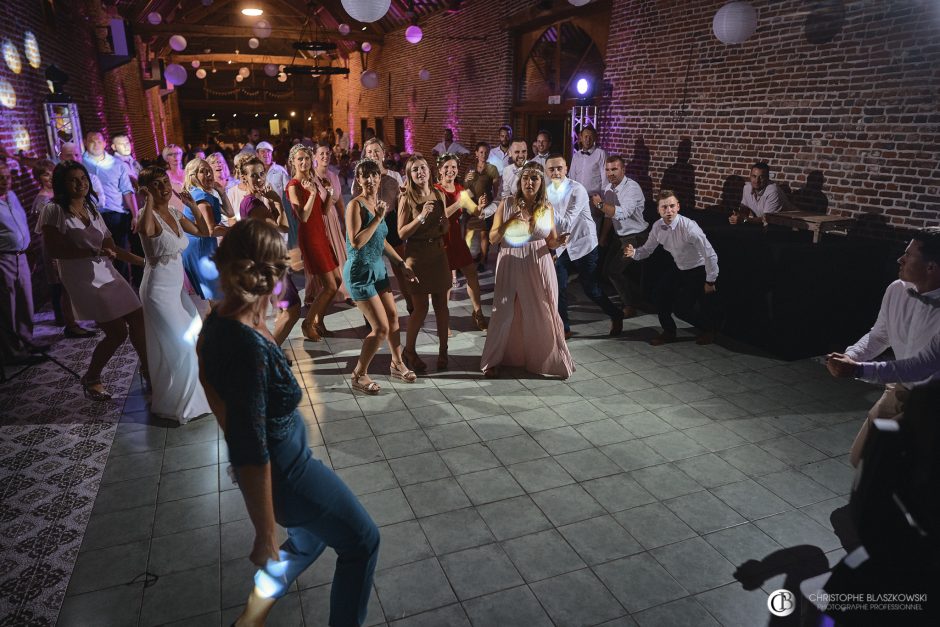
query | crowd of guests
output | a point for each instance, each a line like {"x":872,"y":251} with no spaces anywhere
{"x":129,"y":246}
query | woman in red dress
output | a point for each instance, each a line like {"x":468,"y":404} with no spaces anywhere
{"x":309,"y":202}
{"x":458,"y":254}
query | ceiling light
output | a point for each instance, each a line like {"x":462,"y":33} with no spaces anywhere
{"x":252,"y":12}
{"x":293,"y":113}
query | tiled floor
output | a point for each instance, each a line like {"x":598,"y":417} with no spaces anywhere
{"x":630,"y":494}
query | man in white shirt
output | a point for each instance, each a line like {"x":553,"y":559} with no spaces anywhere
{"x":121,"y":147}
{"x":342,"y":140}
{"x":760,"y":197}
{"x":275,"y":175}
{"x":499,"y":155}
{"x":449,"y":146}
{"x":693,"y":278}
{"x":16,"y":306}
{"x":510,"y":175}
{"x":587,"y":163}
{"x":908,"y":323}
{"x":622,"y":203}
{"x":542,"y":147}
{"x":573,"y":217}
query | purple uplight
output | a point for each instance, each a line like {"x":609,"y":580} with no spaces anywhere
{"x":414,"y":33}
{"x":409,"y":136}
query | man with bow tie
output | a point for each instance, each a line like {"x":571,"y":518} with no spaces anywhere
{"x":587,"y":163}
{"x":909,"y":324}
{"x":573,"y":216}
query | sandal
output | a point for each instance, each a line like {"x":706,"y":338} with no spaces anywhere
{"x":412,"y":360}
{"x":402,"y":373}
{"x":92,"y":394}
{"x":491,"y":373}
{"x":480,"y":320}
{"x":309,"y":330}
{"x":372,"y":388}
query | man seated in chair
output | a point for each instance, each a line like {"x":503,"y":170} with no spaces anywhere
{"x":760,"y":197}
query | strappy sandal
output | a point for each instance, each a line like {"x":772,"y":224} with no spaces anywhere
{"x":402,"y":373}
{"x":371,"y":388}
{"x":480,"y":320}
{"x":412,"y":360}
{"x":309,"y":330}
{"x":92,"y":394}
{"x":491,"y":373}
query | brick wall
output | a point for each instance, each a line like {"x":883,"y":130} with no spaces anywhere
{"x":859,"y":106}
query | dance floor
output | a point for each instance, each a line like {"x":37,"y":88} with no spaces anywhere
{"x":669,"y":485}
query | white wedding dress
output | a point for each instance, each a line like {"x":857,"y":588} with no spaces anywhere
{"x":173,"y":326}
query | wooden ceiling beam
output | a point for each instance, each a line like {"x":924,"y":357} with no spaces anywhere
{"x":247,"y":59}
{"x":244,"y":32}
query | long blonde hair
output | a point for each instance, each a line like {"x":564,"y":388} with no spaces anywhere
{"x":412,"y":190}
{"x":290,"y":158}
{"x":220,"y":158}
{"x":189,"y":179}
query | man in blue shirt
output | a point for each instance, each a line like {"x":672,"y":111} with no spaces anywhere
{"x":118,"y":207}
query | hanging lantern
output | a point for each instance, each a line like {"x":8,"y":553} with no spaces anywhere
{"x":366,"y":10}
{"x":282,"y":78}
{"x":253,"y":43}
{"x":414,"y":33}
{"x":271,"y":70}
{"x":195,"y":64}
{"x":154,"y":18}
{"x":369,"y":79}
{"x":178,"y":43}
{"x":366,"y":47}
{"x":579,"y":3}
{"x":424,"y":75}
{"x":262,"y":29}
{"x":239,"y":78}
{"x":343,"y":29}
{"x":200,"y":73}
{"x":244,"y":72}
{"x":175,"y":74}
{"x":735,"y":22}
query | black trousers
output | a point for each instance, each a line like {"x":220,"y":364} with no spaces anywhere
{"x":678,"y":292}
{"x":120,"y":226}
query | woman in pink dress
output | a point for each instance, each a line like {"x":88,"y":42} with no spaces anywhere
{"x":525,"y":328}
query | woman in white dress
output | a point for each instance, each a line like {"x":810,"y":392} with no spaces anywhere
{"x":171,"y":320}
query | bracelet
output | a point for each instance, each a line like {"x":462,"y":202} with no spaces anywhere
{"x":422,"y":219}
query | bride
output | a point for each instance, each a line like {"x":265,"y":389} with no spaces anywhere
{"x":171,"y":319}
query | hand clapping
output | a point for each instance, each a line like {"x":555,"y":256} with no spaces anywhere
{"x":629,"y":251}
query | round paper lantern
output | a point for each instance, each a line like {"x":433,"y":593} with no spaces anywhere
{"x":366,"y":47}
{"x":735,"y":22}
{"x":175,"y":74}
{"x":369,"y":79}
{"x":579,"y":3}
{"x":253,"y":43}
{"x":200,"y":73}
{"x":154,"y":18}
{"x":244,"y":72}
{"x":262,"y":29}
{"x":366,"y":10}
{"x":282,"y":78}
{"x":195,"y":64}
{"x":413,"y":33}
{"x":239,"y":78}
{"x":343,"y":29}
{"x":271,"y":70}
{"x":424,"y":75}
{"x":178,"y":43}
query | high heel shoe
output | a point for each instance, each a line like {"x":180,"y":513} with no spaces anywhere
{"x":371,"y":388}
{"x":309,"y":330}
{"x":92,"y":394}
{"x":402,"y":373}
{"x":412,"y":360}
{"x":479,"y":319}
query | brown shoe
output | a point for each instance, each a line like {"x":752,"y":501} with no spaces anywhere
{"x":616,"y":327}
{"x":665,"y":337}
{"x":629,"y":312}
{"x":705,"y":338}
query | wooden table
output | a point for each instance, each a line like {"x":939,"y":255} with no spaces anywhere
{"x":816,"y":223}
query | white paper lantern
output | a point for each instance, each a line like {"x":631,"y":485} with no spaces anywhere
{"x":282,"y":78}
{"x":579,"y":3}
{"x":271,"y":70}
{"x":178,"y":43}
{"x":253,"y":43}
{"x":195,"y":64}
{"x":414,"y":34}
{"x":366,"y":47}
{"x":424,"y":75}
{"x":200,"y":73}
{"x":175,"y":74}
{"x":239,"y":78}
{"x":343,"y":29}
{"x":244,"y":72}
{"x":366,"y":10}
{"x":369,"y":79}
{"x":154,"y":18}
{"x":735,"y":22}
{"x":262,"y":29}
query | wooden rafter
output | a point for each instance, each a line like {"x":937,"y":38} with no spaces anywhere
{"x":242,"y":32}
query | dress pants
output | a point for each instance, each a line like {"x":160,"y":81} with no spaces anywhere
{"x":586,"y":267}
{"x":120,"y":226}
{"x":678,"y":291}
{"x":615,"y":267}
{"x":16,"y":308}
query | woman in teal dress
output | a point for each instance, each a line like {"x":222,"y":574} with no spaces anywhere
{"x":366,"y":278}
